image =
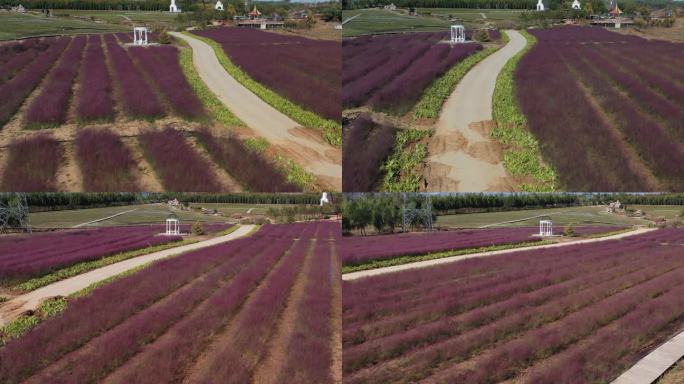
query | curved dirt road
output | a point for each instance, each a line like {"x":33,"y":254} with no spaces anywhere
{"x":463,"y":158}
{"x":429,"y":263}
{"x":13,"y":308}
{"x":311,"y":152}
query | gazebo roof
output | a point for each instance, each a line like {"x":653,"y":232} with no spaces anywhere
{"x":616,"y":10}
{"x":172,"y":216}
{"x":255,"y":12}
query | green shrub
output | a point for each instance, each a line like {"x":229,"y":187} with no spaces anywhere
{"x":197,"y":228}
{"x":569,"y":231}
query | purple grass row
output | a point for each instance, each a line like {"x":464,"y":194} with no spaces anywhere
{"x":505,"y":316}
{"x":161,"y":64}
{"x":249,"y":168}
{"x":391,"y":72}
{"x":27,"y":256}
{"x":22,"y":54}
{"x":136,"y":95}
{"x":178,"y":165}
{"x":361,"y":249}
{"x":183,"y":310}
{"x":16,"y":90}
{"x":304,"y":71}
{"x":50,"y":107}
{"x":95,"y":94}
{"x":106,"y":163}
{"x":366,"y":146}
{"x":32,"y":164}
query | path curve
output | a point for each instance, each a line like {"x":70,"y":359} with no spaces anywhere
{"x":652,"y":366}
{"x":313,"y":154}
{"x":430,"y":263}
{"x":463,"y":157}
{"x":13,"y":308}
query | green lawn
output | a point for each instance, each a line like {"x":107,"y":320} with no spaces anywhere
{"x":592,"y":215}
{"x":428,"y":19}
{"x":16,"y":25}
{"x":120,"y":17}
{"x":373,"y":21}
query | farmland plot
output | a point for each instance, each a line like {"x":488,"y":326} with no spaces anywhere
{"x":576,"y":314}
{"x":390,"y":72}
{"x":366,"y":146}
{"x":619,"y":98}
{"x":303,"y":70}
{"x":211,"y":315}
{"x":24,"y":256}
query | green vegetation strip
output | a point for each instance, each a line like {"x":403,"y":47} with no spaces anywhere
{"x":215,"y":107}
{"x":434,"y":96}
{"x":86,"y":266}
{"x":402,"y":169}
{"x":523,"y":158}
{"x":295,"y":173}
{"x":437,"y":255}
{"x":606,"y":234}
{"x":332,"y":129}
{"x":55,"y":306}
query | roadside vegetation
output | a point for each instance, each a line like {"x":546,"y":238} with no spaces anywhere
{"x":403,"y":169}
{"x":522,"y":156}
{"x":332,"y":129}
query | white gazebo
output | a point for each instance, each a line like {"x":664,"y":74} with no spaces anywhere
{"x":540,"y":5}
{"x":545,"y":227}
{"x":576,"y":5}
{"x":457,"y":34}
{"x":173,"y":8}
{"x":218,"y":6}
{"x":172,"y":225}
{"x":139,"y":36}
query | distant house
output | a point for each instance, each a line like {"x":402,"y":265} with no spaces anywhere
{"x":661,"y":14}
{"x":391,"y":7}
{"x":218,"y":6}
{"x":19,"y":8}
{"x":299,"y":14}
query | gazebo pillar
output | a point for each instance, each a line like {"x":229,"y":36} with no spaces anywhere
{"x":457,"y":34}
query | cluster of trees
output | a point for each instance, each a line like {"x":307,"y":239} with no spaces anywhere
{"x":383,"y":211}
{"x":44,"y":201}
{"x":92,"y":5}
{"x":479,"y":4}
{"x":290,"y":214}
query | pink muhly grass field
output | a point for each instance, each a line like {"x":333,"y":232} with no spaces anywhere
{"x":136,"y":95}
{"x":162,"y":66}
{"x":183,"y":309}
{"x":95,"y":96}
{"x":105,"y":161}
{"x":17,"y":89}
{"x":545,"y":315}
{"x":366,"y":146}
{"x":305,"y":71}
{"x":50,"y":107}
{"x":249,"y":168}
{"x":32,"y":164}
{"x":177,"y":163}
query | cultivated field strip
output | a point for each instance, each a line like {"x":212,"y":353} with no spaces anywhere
{"x":206,"y":313}
{"x":363,"y":249}
{"x":24,"y":256}
{"x":390,"y":72}
{"x":623,"y":92}
{"x":366,"y":145}
{"x":94,"y":102}
{"x":106,"y":163}
{"x":563,"y":321}
{"x":32,"y":164}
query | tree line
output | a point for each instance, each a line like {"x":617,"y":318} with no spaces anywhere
{"x":91,"y":5}
{"x":47,"y":201}
{"x":383,"y":211}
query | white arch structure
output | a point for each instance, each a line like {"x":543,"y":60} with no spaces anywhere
{"x":457,"y":34}
{"x":140,"y":36}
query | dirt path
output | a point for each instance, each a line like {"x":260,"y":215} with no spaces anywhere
{"x":104,"y":218}
{"x":463,"y":157}
{"x":31,"y":300}
{"x":314,"y":155}
{"x":429,"y":263}
{"x":653,"y":365}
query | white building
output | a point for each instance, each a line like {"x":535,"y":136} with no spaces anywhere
{"x":218,"y":6}
{"x":576,"y":5}
{"x":173,"y":8}
{"x":540,"y":5}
